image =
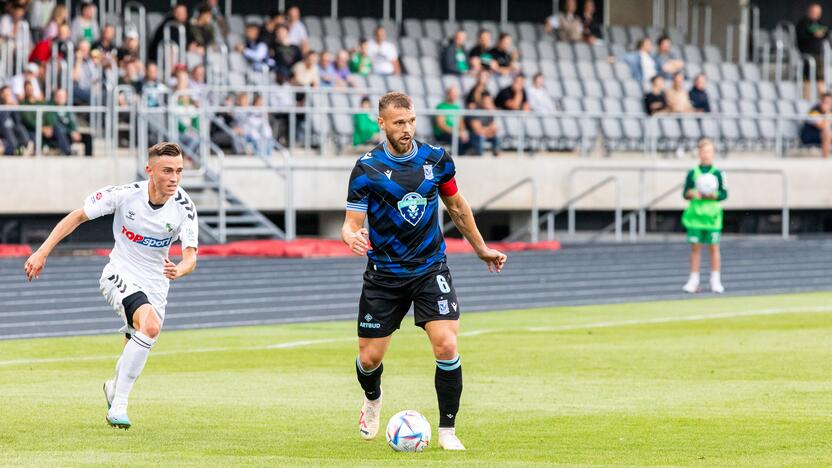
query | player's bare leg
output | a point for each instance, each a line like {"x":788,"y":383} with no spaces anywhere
{"x":716,"y":267}
{"x":448,"y":378}
{"x":695,"y":259}
{"x":132,"y":361}
{"x":368,"y":368}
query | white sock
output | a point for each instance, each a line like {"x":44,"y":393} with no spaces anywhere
{"x":715,"y":277}
{"x":694,"y":276}
{"x":130,"y":366}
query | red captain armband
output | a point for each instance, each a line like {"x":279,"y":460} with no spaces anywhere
{"x":449,"y":188}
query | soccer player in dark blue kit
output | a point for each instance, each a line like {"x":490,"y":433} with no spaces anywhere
{"x":398,"y":185}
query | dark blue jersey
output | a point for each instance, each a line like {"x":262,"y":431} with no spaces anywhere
{"x":401,"y":198}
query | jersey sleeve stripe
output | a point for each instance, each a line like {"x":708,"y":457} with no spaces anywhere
{"x":362,"y":207}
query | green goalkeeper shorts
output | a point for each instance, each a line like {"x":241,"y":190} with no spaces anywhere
{"x":704,"y":236}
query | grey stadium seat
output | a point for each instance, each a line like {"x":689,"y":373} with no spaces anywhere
{"x":527,"y":31}
{"x":750,"y":71}
{"x":317,"y":43}
{"x":563,"y":51}
{"x":314,"y":26}
{"x":690,"y":130}
{"x":395,"y":83}
{"x":582,"y":52}
{"x":766,"y":90}
{"x":600,"y":52}
{"x":572,"y":88}
{"x":333,"y":43}
{"x":618,"y":35}
{"x":432,"y":28}
{"x":554,"y":88}
{"x":612,"y":89}
{"x":567,"y":70}
{"x":433,"y":85}
{"x":413,"y":84}
{"x":622,"y":71}
{"x":692,"y":69}
{"x":604,"y":70}
{"x":408,"y":46}
{"x":549,"y":69}
{"x":786,"y":90}
{"x":428,"y":47}
{"x":545,"y":50}
{"x":613,"y":134}
{"x":411,"y":64}
{"x":730,"y":71}
{"x":592,"y":88}
{"x":747,"y":90}
{"x":613,"y":106}
{"x":592,"y":105}
{"x":692,"y":54}
{"x":711,"y":70}
{"x":712,"y":54}
{"x":632,"y":89}
{"x":236,"y":24}
{"x":450,"y":80}
{"x":571,"y":104}
{"x":413,"y":27}
{"x":633,"y":105}
{"x":350,"y":27}
{"x":552,"y":132}
{"x":534,"y":132}
{"x":529,"y":67}
{"x":586,"y":70}
{"x":670,"y":134}
{"x":528,"y":50}
{"x":430,"y":66}
{"x":376,"y":82}
{"x":332,"y":27}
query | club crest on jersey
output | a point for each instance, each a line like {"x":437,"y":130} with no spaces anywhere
{"x":443,"y":307}
{"x":412,"y":207}
{"x":428,"y":171}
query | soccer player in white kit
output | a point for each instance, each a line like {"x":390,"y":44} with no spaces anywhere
{"x":149,"y":216}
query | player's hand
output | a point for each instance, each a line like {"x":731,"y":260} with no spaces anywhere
{"x":494,"y":259}
{"x":171,"y":271}
{"x":359,"y":242}
{"x":34,"y":265}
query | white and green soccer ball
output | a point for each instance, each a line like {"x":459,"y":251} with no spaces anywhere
{"x":707,"y":184}
{"x":408,"y":431}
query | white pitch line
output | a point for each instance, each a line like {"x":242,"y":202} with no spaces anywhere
{"x":581,"y":326}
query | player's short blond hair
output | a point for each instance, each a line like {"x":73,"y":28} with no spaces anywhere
{"x":395,"y":99}
{"x":703,"y":142}
{"x":164,"y":148}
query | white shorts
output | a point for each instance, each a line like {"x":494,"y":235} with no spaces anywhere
{"x":116,"y":286}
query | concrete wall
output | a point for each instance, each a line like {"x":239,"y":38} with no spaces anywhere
{"x":53,"y":185}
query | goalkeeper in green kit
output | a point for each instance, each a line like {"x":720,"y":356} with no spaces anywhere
{"x":705,"y":188}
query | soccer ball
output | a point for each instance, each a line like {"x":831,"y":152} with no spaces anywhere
{"x":707,"y":184}
{"x":408,"y":431}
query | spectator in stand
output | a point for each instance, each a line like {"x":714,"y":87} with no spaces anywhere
{"x":306,"y":72}
{"x":65,"y":128}
{"x":29,"y":119}
{"x":568,"y":25}
{"x":107,"y":43}
{"x":513,"y":97}
{"x":453,"y":59}
{"x":504,"y":56}
{"x":85,"y":26}
{"x":178,"y":16}
{"x":817,"y":130}
{"x":361,"y":63}
{"x":29,"y":75}
{"x":58,"y":18}
{"x":285,"y":55}
{"x":268,"y":33}
{"x":482,"y":51}
{"x":196,"y":83}
{"x":340,"y":70}
{"x":86,"y":74}
{"x":539,"y":98}
{"x":12,"y":22}
{"x":253,"y":124}
{"x":366,"y":129}
{"x":297,"y":30}
{"x":384,"y":54}
{"x":655,"y":100}
{"x":221,"y":30}
{"x":698,"y":94}
{"x":481,"y":86}
{"x":281,"y":96}
{"x":186,"y":114}
{"x":326,"y":65}
{"x":152,"y":88}
{"x":132,"y":73}
{"x":811,"y":33}
{"x":40,"y":14}
{"x":641,"y":63}
{"x":255,"y":50}
{"x":677,"y":96}
{"x":15,"y":137}
{"x":593,"y":30}
{"x":201,"y":29}
{"x":42,"y":51}
{"x":130,"y":48}
{"x":667,"y":62}
{"x":483,"y":127}
{"x":443,"y":125}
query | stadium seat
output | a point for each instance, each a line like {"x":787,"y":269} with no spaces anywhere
{"x":612,"y":106}
{"x":395,"y":83}
{"x":572,"y":104}
{"x":433,"y":85}
{"x":567,"y":70}
{"x":549,"y":69}
{"x":572,"y":88}
{"x":529,"y":67}
{"x":332,"y":27}
{"x":413,"y":84}
{"x":692,"y":54}
{"x":408,"y":46}
{"x":633,"y":132}
{"x":450,"y":80}
{"x":413,"y":27}
{"x":314,"y":27}
{"x":552,"y":132}
{"x":430,"y":65}
{"x":592,"y":105}
{"x":670,"y":134}
{"x":729,"y":71}
{"x":768,"y":126}
{"x":527,"y":31}
{"x":316,"y":43}
{"x":376,"y":82}
{"x":766,"y":90}
{"x":613,"y":134}
{"x":600,"y":52}
{"x":351,"y":27}
{"x":411,"y":65}
{"x":691,"y":131}
{"x":534,"y":133}
{"x":545,"y":50}
{"x":633,"y":105}
{"x":747,"y":90}
{"x":712,"y":54}
{"x":622,"y":71}
{"x":585,"y":70}
{"x":492,"y":27}
{"x":554,"y":88}
{"x":786,"y":90}
{"x":592,"y":88}
{"x":510,"y":28}
{"x":618,"y":35}
{"x":711,"y":70}
{"x":432,"y":29}
{"x":428,"y":47}
{"x":692,"y":69}
{"x":632,"y":89}
{"x":564,"y":53}
{"x":369,"y":25}
{"x":236,"y":24}
{"x":750,"y":71}
{"x":527,"y":50}
{"x":612,"y":89}
{"x":582,"y":52}
{"x":471,"y":27}
{"x":604,"y":70}
{"x":236,"y":61}
{"x":635,"y":32}
{"x":333,"y":43}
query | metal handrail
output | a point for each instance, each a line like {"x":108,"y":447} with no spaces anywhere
{"x":755,"y":33}
{"x":640,"y":213}
{"x":785,"y":212}
{"x":812,"y":76}
{"x":534,"y":223}
{"x":549,"y":218}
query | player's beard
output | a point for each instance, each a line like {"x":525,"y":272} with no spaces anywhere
{"x":400,"y":148}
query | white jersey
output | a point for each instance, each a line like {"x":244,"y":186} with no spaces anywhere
{"x":143,"y":234}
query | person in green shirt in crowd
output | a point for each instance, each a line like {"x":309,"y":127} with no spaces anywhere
{"x":366,"y":127}
{"x":705,"y":188}
{"x":64,"y":126}
{"x":443,"y":125}
{"x":454,"y":59}
{"x":361,"y":63}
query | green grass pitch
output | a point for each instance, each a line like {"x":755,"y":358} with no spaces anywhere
{"x":706,"y":382}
